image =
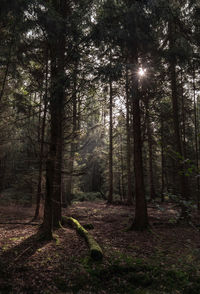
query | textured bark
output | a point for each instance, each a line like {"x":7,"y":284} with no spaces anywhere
{"x":150,"y":151}
{"x":196,"y":125}
{"x":7,"y":67}
{"x":176,"y":120}
{"x":178,"y":144}
{"x":162,"y":160}
{"x":56,"y":147}
{"x":47,"y":221}
{"x":128,"y":142}
{"x":52,"y":211}
{"x":122,"y":169}
{"x":110,"y":195}
{"x":74,"y":145}
{"x":183,"y":181}
{"x":141,"y":218}
{"x":41,"y":139}
{"x":183,"y":118}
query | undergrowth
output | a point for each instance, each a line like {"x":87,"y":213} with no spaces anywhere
{"x":124,"y":274}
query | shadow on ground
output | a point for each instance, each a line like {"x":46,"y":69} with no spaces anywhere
{"x":14,"y":259}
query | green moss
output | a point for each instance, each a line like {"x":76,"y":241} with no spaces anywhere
{"x":61,"y":284}
{"x":95,"y":250}
{"x":132,"y":277}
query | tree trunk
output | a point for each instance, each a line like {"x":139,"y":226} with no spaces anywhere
{"x":162,"y":160}
{"x":74,"y":145}
{"x":196,"y":131}
{"x":141,"y":218}
{"x":7,"y":66}
{"x":41,"y":140}
{"x":183,"y":185}
{"x":110,"y":195}
{"x":57,"y":131}
{"x":122,"y":166}
{"x":178,"y":144}
{"x":150,"y":151}
{"x":52,"y":211}
{"x":183,"y":138}
{"x":47,"y":225}
{"x":128,"y":142}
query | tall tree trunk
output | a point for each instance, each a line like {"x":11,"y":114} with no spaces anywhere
{"x":128,"y":143}
{"x":150,"y":151}
{"x":47,"y":225}
{"x":162,"y":159}
{"x":110,"y":195}
{"x":196,"y":131}
{"x":7,"y":65}
{"x":52,"y":211}
{"x":183,"y":187}
{"x":41,"y":140}
{"x":183,"y":117}
{"x":59,"y":94}
{"x":178,"y":144}
{"x":141,"y":218}
{"x":122,"y":167}
{"x":73,"y":147}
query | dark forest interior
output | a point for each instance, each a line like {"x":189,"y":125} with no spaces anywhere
{"x":100,"y":146}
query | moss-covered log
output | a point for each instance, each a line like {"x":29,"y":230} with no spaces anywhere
{"x":95,"y":250}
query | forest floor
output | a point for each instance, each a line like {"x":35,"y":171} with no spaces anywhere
{"x":164,"y":259}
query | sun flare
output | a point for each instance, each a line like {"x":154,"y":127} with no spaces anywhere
{"x":141,"y":72}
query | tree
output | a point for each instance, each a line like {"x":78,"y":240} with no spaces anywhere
{"x":110,"y":195}
{"x":128,"y":134}
{"x":56,"y":42}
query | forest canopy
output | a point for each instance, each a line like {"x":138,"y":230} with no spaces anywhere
{"x":99,"y":146}
{"x":99,"y":100}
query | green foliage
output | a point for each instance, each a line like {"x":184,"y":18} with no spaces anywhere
{"x":12,"y":196}
{"x":187,"y":205}
{"x":124,"y":274}
{"x":89,"y":196}
{"x":61,"y":284}
{"x":102,"y":39}
{"x":177,"y":199}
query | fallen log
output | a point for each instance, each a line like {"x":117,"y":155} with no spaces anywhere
{"x":95,"y":250}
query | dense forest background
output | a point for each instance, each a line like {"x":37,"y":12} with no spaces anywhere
{"x":100,"y":140}
{"x":99,"y":99}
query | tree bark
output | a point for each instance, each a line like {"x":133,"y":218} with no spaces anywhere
{"x":73,"y":145}
{"x":7,"y":66}
{"x":41,"y":139}
{"x":122,"y":167}
{"x":141,"y":218}
{"x":150,"y":151}
{"x":110,"y":195}
{"x":128,"y":143}
{"x":178,"y":144}
{"x":47,"y":225}
{"x":162,"y":160}
{"x":196,"y":131}
{"x":52,"y":211}
{"x":183,"y":185}
{"x":57,"y":130}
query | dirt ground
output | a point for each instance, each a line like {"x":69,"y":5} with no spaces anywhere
{"x":29,"y":265}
